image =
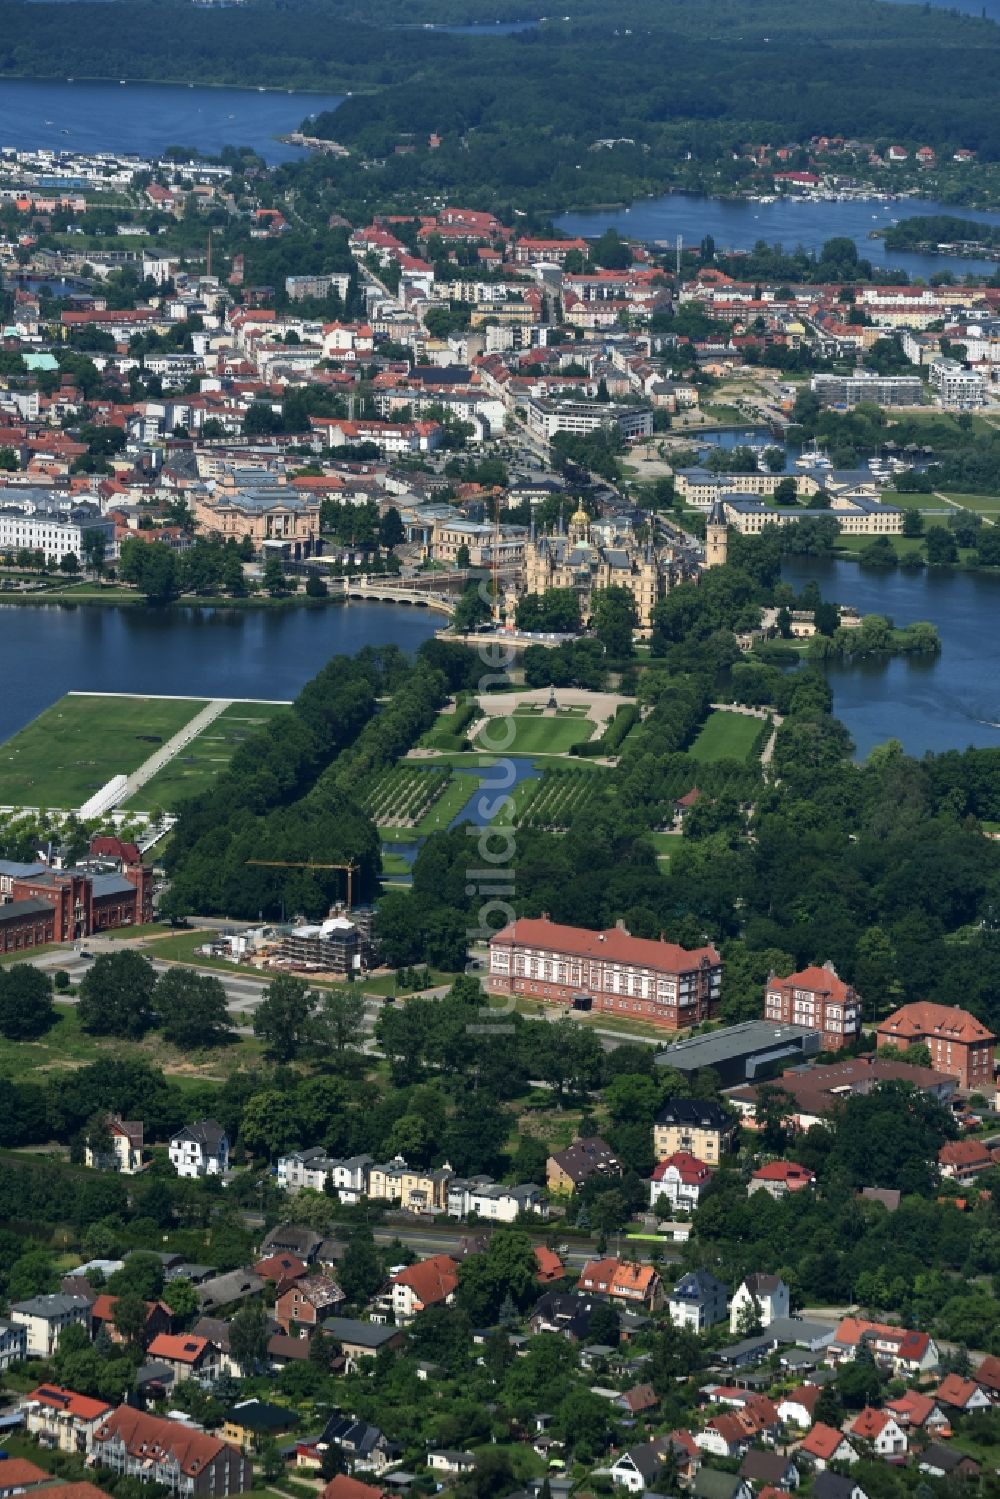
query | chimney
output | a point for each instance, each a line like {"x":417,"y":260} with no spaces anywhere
{"x":621,"y":927}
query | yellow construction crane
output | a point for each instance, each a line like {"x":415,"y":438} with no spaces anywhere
{"x":349,"y":869}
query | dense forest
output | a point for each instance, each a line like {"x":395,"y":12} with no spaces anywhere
{"x":940,"y":229}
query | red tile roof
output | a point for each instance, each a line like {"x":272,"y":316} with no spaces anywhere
{"x":922,"y":1018}
{"x":431,"y":1281}
{"x":19,"y":1473}
{"x":870,"y":1423}
{"x":56,"y":1398}
{"x":550,"y":1266}
{"x":691,"y":1171}
{"x":956,"y":1391}
{"x":178,"y":1348}
{"x":791,"y":1173}
{"x":152,"y":1438}
{"x":816,"y":979}
{"x":822,"y":1441}
{"x":612,"y":944}
{"x":343,"y":1487}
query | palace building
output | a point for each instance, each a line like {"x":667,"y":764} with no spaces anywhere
{"x":577,"y":561}
{"x":609,"y":971}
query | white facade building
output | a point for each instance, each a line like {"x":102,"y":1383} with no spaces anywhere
{"x":200,"y":1149}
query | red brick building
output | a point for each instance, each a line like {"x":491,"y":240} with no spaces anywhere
{"x":959,"y":1044}
{"x":816,"y":997}
{"x":610,"y":971}
{"x":40,"y":903}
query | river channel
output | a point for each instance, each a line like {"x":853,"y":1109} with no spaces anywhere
{"x":241,"y":653}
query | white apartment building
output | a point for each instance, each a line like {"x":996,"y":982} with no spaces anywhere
{"x":200,"y":1149}
{"x":955,"y":385}
{"x":41,"y":526}
{"x":547,"y":418}
{"x":44,"y":1318}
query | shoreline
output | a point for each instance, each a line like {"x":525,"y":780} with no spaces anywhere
{"x":186,"y":601}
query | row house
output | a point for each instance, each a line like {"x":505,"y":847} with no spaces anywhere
{"x":415,"y":1190}
{"x":184,"y":1459}
{"x":609,"y":971}
{"x":490,"y":1200}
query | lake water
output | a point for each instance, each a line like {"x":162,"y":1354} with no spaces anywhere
{"x":945,"y":702}
{"x":252,"y":653}
{"x":142,"y":119}
{"x":789,"y":222}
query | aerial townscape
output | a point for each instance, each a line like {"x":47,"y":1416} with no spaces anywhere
{"x":499,"y":750}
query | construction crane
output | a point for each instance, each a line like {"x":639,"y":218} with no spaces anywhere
{"x":349,"y":870}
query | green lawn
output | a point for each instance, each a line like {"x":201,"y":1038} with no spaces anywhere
{"x":927,"y":504}
{"x":726,"y":736}
{"x":204,"y":758}
{"x":72,"y":749}
{"x":437,"y":817}
{"x":544,"y":736}
{"x":981,"y":504}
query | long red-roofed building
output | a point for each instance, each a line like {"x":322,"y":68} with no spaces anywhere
{"x":154,"y":1450}
{"x":816,"y":997}
{"x":608,"y":971}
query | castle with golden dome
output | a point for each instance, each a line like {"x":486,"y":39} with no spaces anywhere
{"x":576,"y":559}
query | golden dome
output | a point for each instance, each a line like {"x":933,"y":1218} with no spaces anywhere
{"x":580,"y":518}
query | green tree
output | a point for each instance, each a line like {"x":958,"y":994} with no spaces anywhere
{"x":391,"y":531}
{"x":116,"y":995}
{"x":615,"y":620}
{"x":248,"y":1338}
{"x":129,"y":1317}
{"x":152,"y":567}
{"x":941,"y":547}
{"x":285,"y":1019}
{"x":26,"y":1009}
{"x":191,"y":1008}
{"x":274,"y":578}
{"x":342,"y":1018}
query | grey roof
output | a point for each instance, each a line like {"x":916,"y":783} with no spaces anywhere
{"x":799,"y":1330}
{"x":16,"y":910}
{"x":827,"y":1485}
{"x":711,"y":1484}
{"x":364,"y":1334}
{"x":236,"y":1285}
{"x":698,"y":1285}
{"x":736,"y":1041}
{"x":57,"y":1305}
{"x":698,"y":1113}
{"x":111,"y":884}
{"x":207,"y":1132}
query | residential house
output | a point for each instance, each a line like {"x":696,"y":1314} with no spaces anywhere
{"x":682,"y":1180}
{"x":640,"y":1467}
{"x":281,"y":1269}
{"x":364,"y":1448}
{"x":431,"y":1282}
{"x":947,"y":1462}
{"x":345,"y":1487}
{"x":491,"y":1200}
{"x":988,"y":1377}
{"x":566,"y":1312}
{"x":710,"y":1483}
{"x":825,"y":1444}
{"x":963,"y":1160}
{"x":904,"y":1351}
{"x":550,"y":1266}
{"x":758,"y":1300}
{"x":62,"y":1419}
{"x":308,"y":1302}
{"x":779,"y":1178}
{"x":965,"y":1395}
{"x":186,"y":1356}
{"x":361,"y":1339}
{"x":291,"y":1238}
{"x":918,"y":1412}
{"x":253,"y":1421}
{"x":235,"y":1286}
{"x":44,"y":1318}
{"x":836,"y":1486}
{"x":882,"y":1432}
{"x":698,"y":1301}
{"x":187,"y":1461}
{"x":413,"y":1189}
{"x":623,"y":1280}
{"x":455,"y":1464}
{"x":701,"y":1127}
{"x":13,"y":1343}
{"x":200,"y":1149}
{"x":124,"y":1149}
{"x":17,"y":1475}
{"x":774,"y":1468}
{"x":159,"y":1318}
{"x":568,"y":1169}
{"x":726,"y":1435}
{"x":798,"y":1407}
{"x":639,"y":1401}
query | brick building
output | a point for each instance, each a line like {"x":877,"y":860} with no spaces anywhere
{"x":608,"y":971}
{"x":816,"y":997}
{"x":959,"y":1044}
{"x":39,"y":903}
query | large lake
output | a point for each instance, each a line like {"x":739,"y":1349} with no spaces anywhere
{"x":789,"y":222}
{"x":250,"y":653}
{"x":142,"y":119}
{"x":947,"y":702}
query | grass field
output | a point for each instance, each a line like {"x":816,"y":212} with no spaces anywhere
{"x":72,"y":749}
{"x":204,"y":758}
{"x":726,"y":736}
{"x":981,"y":504}
{"x":534,"y":734}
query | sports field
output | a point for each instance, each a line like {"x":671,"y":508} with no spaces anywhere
{"x":726,"y":736}
{"x":198,"y":764}
{"x":72,"y":749}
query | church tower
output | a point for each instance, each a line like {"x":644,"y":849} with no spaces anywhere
{"x":716,"y":536}
{"x":579,"y":525}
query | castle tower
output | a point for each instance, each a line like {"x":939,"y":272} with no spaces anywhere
{"x":579,"y":525}
{"x":716,"y":536}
